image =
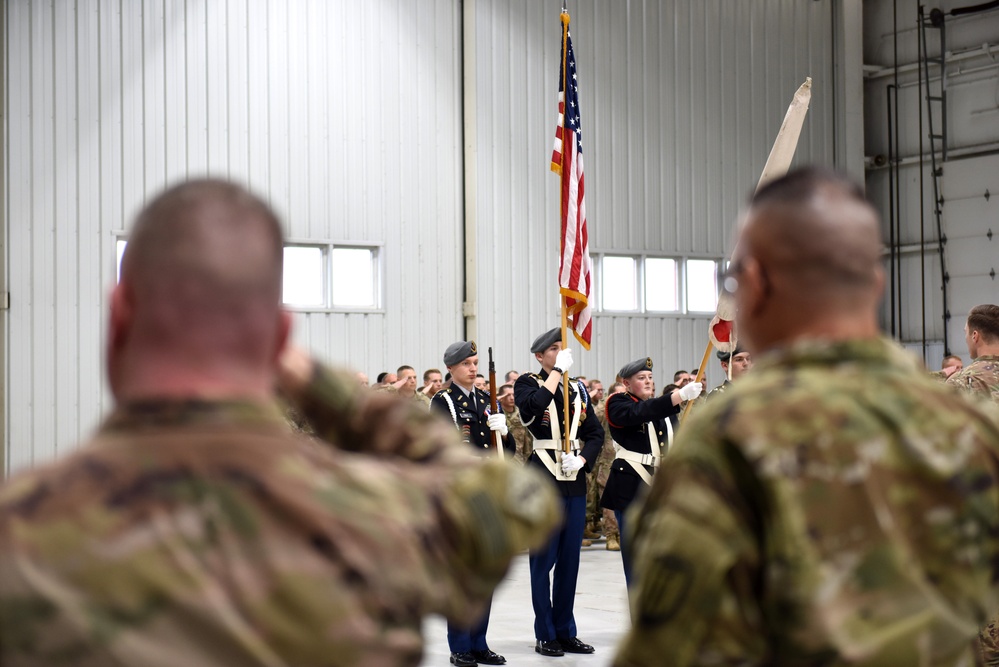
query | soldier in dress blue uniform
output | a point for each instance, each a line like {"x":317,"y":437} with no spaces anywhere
{"x":539,"y":398}
{"x":642,"y":427}
{"x":468,"y":408}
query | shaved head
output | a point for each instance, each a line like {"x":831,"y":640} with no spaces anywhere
{"x":200,"y":288}
{"x":808,"y":260}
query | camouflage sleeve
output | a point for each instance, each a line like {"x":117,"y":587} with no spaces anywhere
{"x":979,"y":380}
{"x":696,"y":568}
{"x":374,"y":422}
{"x":491,"y":513}
{"x":487,"y":512}
{"x":988,"y":644}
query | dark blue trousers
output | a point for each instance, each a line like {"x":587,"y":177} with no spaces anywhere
{"x":463,"y":640}
{"x":553,"y":600}
{"x":625,"y":547}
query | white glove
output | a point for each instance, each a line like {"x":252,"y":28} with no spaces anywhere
{"x":571,"y":463}
{"x":690,"y":391}
{"x":497,"y":422}
{"x":563,"y":360}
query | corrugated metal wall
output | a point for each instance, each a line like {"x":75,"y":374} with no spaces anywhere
{"x":972,"y":44}
{"x":346,"y":115}
{"x":680,"y":104}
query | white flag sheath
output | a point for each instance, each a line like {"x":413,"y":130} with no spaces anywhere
{"x":787,"y":139}
{"x":777,"y":165}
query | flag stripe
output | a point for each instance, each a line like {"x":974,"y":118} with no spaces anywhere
{"x":575,"y":269}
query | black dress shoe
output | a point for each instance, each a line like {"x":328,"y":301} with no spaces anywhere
{"x":573,"y":645}
{"x":550,"y":648}
{"x":488,"y":657}
{"x":463,"y":660}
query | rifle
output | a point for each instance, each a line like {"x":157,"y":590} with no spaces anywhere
{"x":497,"y":438}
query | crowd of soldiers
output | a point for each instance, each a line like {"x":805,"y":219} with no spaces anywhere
{"x":834,"y":504}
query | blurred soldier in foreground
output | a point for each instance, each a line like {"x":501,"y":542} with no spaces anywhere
{"x":836,"y":506}
{"x":196,"y":528}
{"x":981,"y":332}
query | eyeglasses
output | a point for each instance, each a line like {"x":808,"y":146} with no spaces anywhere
{"x":729,"y":279}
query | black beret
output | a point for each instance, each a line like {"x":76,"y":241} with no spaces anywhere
{"x":458,"y":352}
{"x":725,"y":356}
{"x":643,"y":364}
{"x":546,"y":340}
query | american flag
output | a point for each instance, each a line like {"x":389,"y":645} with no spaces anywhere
{"x":575,"y":270}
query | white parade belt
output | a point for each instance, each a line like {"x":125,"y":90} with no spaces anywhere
{"x":550,"y":453}
{"x":639,"y":461}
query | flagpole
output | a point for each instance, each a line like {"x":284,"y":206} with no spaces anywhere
{"x":564,"y":18}
{"x":778,"y":162}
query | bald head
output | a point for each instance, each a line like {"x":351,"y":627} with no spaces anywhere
{"x":208,"y":233}
{"x":809,"y":255}
{"x":200,"y":289}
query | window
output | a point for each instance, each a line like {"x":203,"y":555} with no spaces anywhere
{"x":702,"y":285}
{"x":354,"y":273}
{"x":304,"y":278}
{"x":620,"y":283}
{"x":329,"y":275}
{"x":119,"y":246}
{"x":322,"y":276}
{"x":661,"y":293}
{"x":643,"y":284}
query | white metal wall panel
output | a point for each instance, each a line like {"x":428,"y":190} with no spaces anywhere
{"x":345,"y":115}
{"x":971,"y":213}
{"x":680,"y":103}
{"x":973,"y":126}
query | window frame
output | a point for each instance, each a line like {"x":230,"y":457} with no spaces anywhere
{"x":378,"y":279}
{"x":683,"y":307}
{"x":326,"y":247}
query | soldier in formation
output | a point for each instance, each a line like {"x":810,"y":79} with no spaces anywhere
{"x":741,"y":362}
{"x":642,"y":428}
{"x":607,"y":524}
{"x":197,"y":528}
{"x":836,"y":506}
{"x":540,"y":399}
{"x":467,"y":407}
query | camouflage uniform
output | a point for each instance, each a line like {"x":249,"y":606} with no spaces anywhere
{"x":719,"y":390}
{"x":600,"y":473}
{"x":836,"y":507}
{"x":521,"y":436}
{"x":980,"y":378}
{"x":203,"y":533}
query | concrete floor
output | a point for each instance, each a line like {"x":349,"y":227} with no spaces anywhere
{"x":601,"y":612}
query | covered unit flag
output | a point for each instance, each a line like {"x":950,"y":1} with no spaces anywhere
{"x":575,"y":271}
